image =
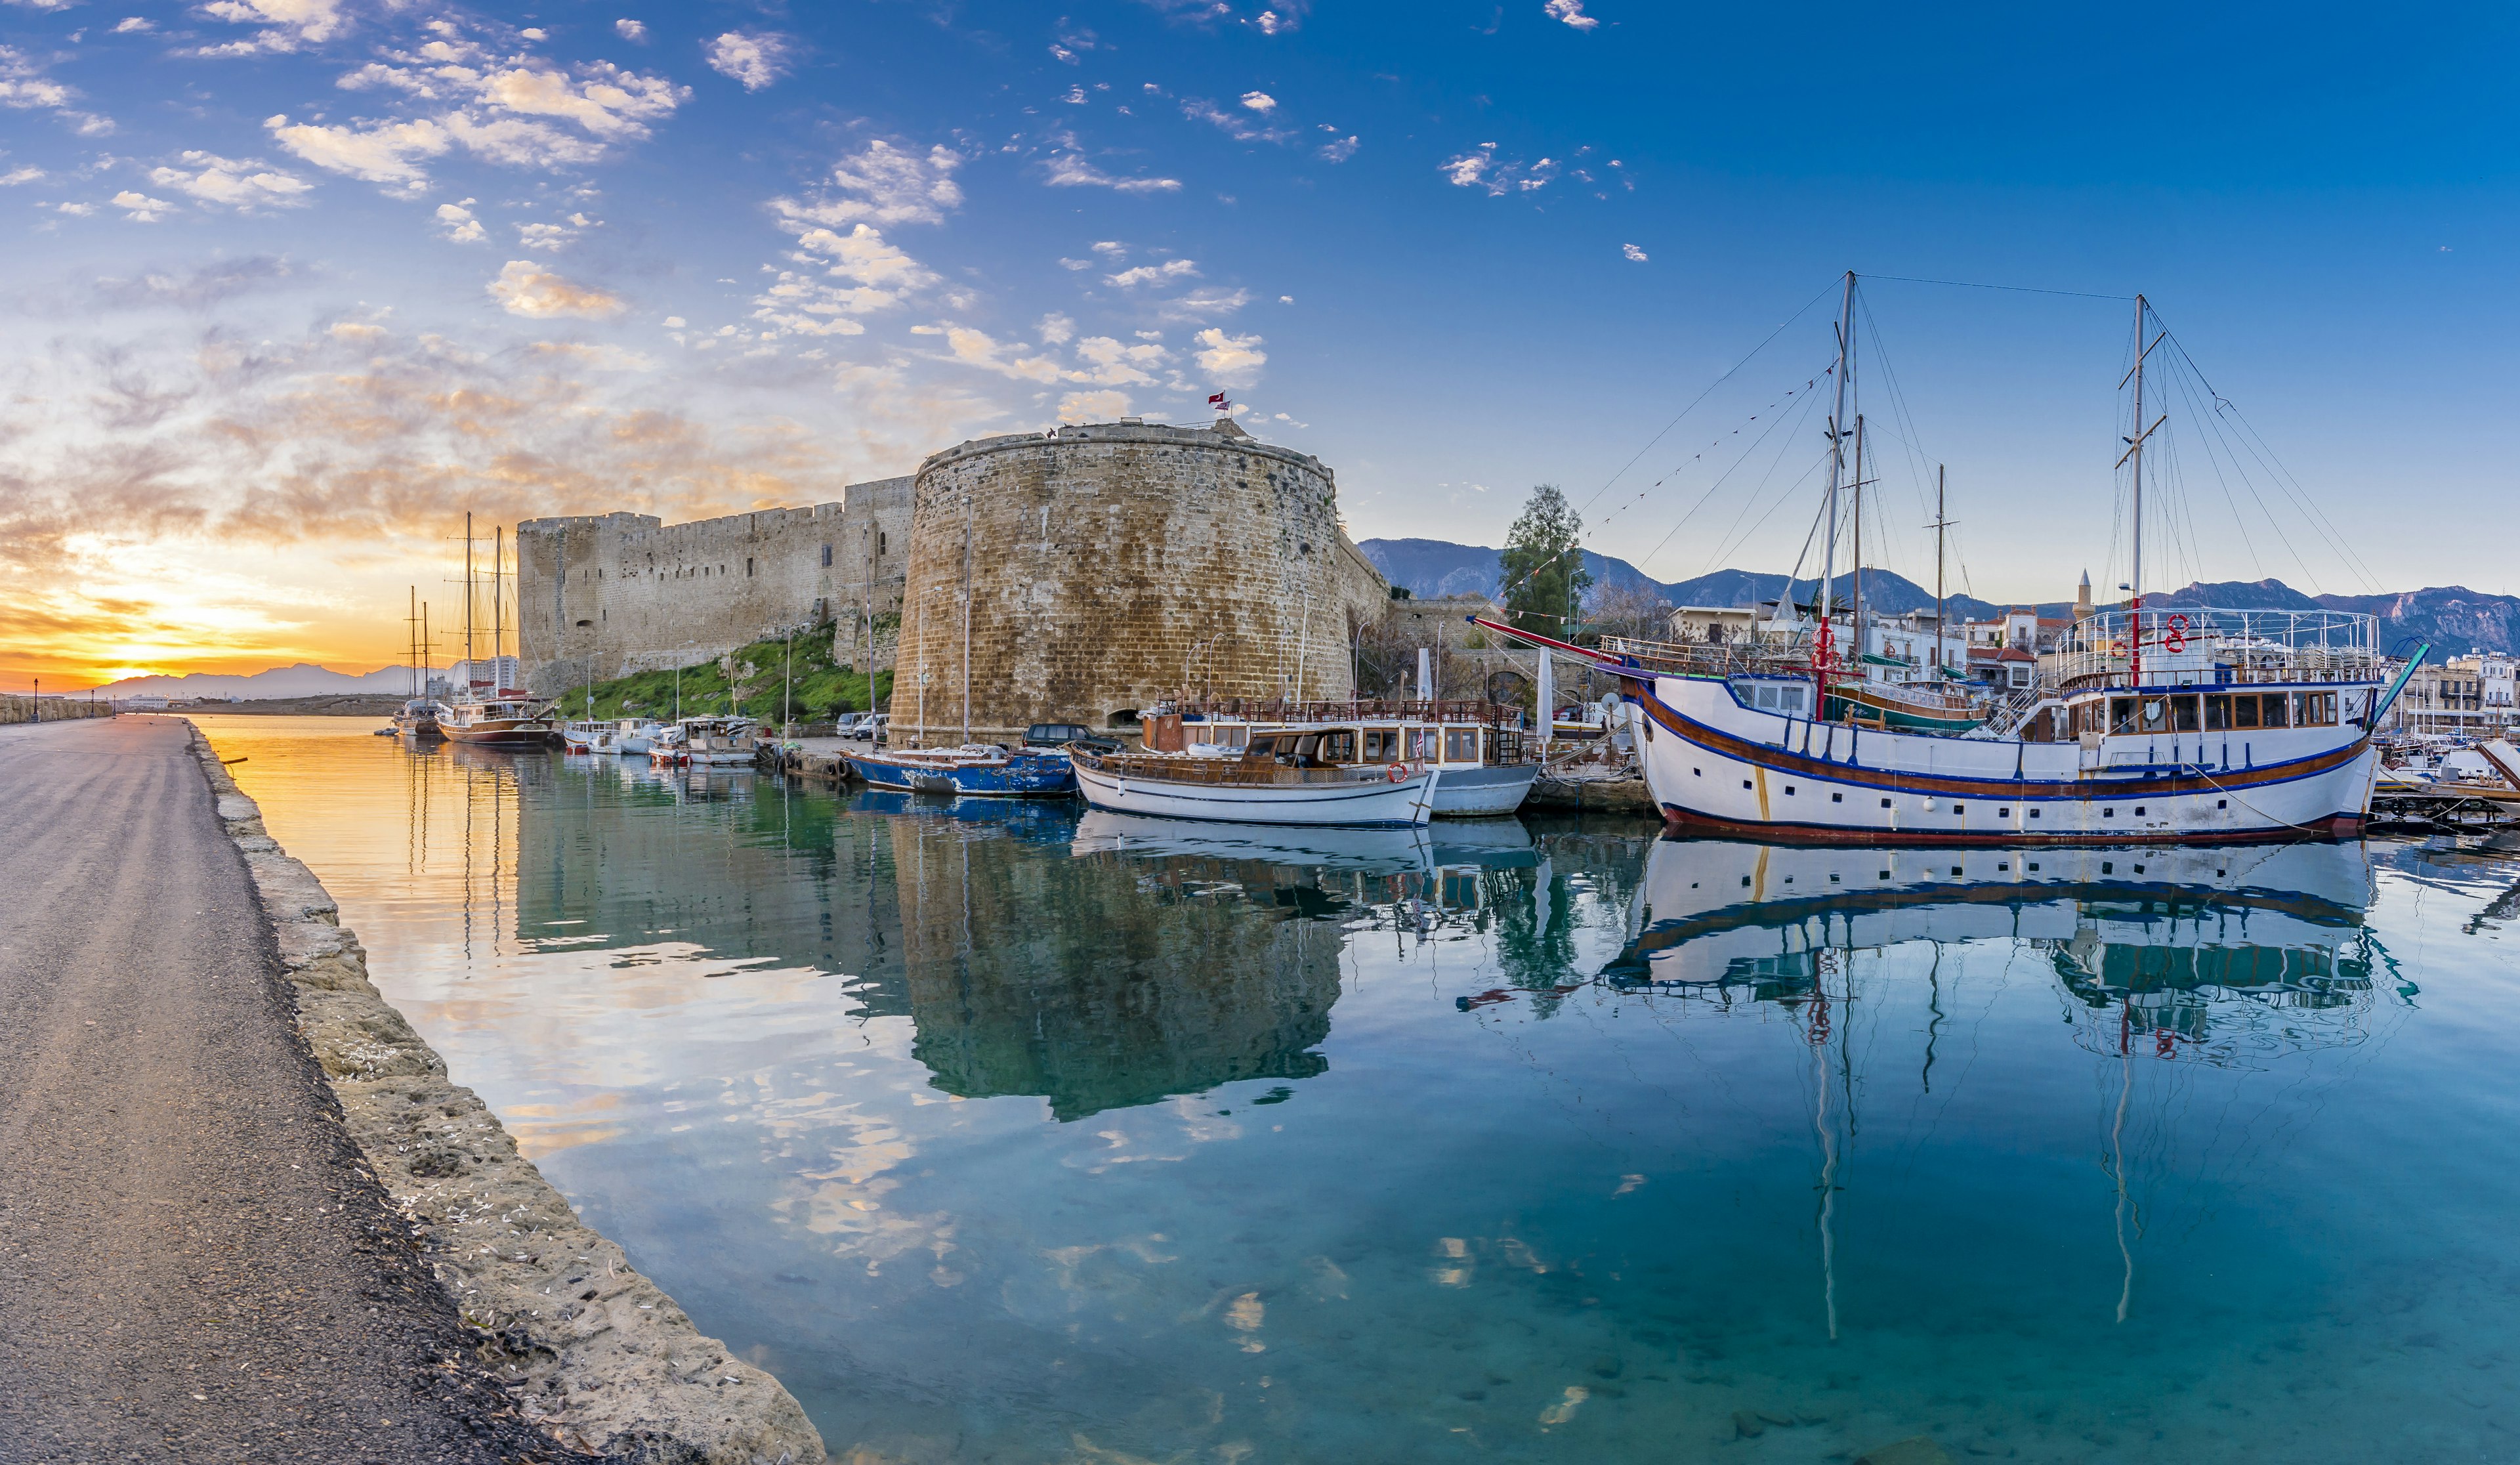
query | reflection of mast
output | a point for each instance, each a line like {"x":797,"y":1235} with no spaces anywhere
{"x":1933,"y":1004}
{"x":2117,"y":1159}
{"x":1818,"y":1037}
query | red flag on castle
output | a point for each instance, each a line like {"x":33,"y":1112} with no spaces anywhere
{"x":1219,"y":402}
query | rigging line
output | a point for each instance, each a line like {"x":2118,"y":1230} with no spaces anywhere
{"x":1793,"y":416}
{"x":1709,"y":391}
{"x":2082,"y":295}
{"x":2239,"y":526}
{"x":2300,"y":494}
{"x":1900,"y":409}
{"x":2273,"y":521}
{"x":1730,"y":545}
{"x":1810,"y":383}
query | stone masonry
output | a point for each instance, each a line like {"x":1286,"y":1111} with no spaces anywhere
{"x":622,"y":592}
{"x":1084,"y":574}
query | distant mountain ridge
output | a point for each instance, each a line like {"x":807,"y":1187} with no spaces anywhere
{"x":304,"y":679}
{"x":2455,"y":619}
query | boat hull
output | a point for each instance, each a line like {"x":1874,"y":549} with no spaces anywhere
{"x":1361,"y":804}
{"x":1714,"y":766}
{"x":1023,"y":777}
{"x":500,"y":734}
{"x":1484,"y":792}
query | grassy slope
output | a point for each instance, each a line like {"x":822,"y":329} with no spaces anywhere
{"x":821,"y":689}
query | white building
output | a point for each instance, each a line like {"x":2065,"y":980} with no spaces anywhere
{"x":487,"y":674}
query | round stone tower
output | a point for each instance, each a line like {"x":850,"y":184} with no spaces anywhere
{"x":1084,"y":574}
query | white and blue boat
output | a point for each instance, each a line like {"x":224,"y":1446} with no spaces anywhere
{"x":974,"y":769}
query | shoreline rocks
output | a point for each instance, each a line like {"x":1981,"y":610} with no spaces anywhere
{"x":599,"y":1358}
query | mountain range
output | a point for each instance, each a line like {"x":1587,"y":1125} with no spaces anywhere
{"x":2455,"y":619}
{"x":304,"y":679}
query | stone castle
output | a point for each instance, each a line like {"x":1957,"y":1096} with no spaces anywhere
{"x":1076,"y":575}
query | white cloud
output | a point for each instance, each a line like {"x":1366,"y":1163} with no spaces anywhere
{"x":287,"y":23}
{"x":1110,"y":363}
{"x":1067,"y":167}
{"x":524,"y":287}
{"x":1338,"y":150}
{"x":77,"y":210}
{"x":16,"y":176}
{"x":44,"y":4}
{"x":545,"y":236}
{"x":386,"y":152}
{"x":1480,"y":169}
{"x":1571,"y":11}
{"x":23,"y":87}
{"x":631,"y":31}
{"x":1202,"y":306}
{"x":1094,"y":406}
{"x":143,"y":208}
{"x":1234,"y":123}
{"x":1272,"y":22}
{"x":1066,"y":264}
{"x":602,"y":98}
{"x":883,"y":184}
{"x":1260,"y":102}
{"x":1148,"y":274}
{"x":1230,"y":361}
{"x":1110,"y":248}
{"x":978,"y":349}
{"x":755,"y":58}
{"x":1055,"y":329}
{"x":517,"y":143}
{"x":1633,"y":253}
{"x":461,"y":226}
{"x":861,"y":273}
{"x":245,"y":184}
{"x":130,"y":24}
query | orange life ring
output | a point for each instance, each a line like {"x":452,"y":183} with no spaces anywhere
{"x":1399,"y":774}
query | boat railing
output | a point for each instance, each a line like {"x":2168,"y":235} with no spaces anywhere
{"x":1242,"y":772}
{"x":1477,"y":711}
{"x":1699,"y":658}
{"x":2010,"y":713}
{"x":2210,"y":644}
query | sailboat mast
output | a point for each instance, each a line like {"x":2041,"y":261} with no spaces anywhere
{"x":468,"y":604}
{"x":2134,"y":457}
{"x":1941,"y":520}
{"x":1820,"y":641}
{"x":411,"y":641}
{"x":498,"y":608}
{"x":1856,"y":608}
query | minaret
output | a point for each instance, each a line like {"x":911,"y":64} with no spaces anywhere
{"x":2083,"y":597}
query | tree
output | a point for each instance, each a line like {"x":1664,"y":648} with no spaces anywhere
{"x":1545,"y":578}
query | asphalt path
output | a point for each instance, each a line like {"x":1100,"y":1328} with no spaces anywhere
{"x":192,"y":1266}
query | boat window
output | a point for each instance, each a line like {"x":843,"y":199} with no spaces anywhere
{"x":1305,"y":749}
{"x":1373,"y":748}
{"x":1460,"y":744}
{"x":2276,"y":710}
{"x":1766,"y":697}
{"x":2217,"y":713}
{"x":2156,"y":715}
{"x":1338,"y":748}
{"x":2245,"y":710}
{"x":1488,"y":742}
{"x":2121,"y":714}
{"x":2182,"y":715}
{"x":2320,"y":708}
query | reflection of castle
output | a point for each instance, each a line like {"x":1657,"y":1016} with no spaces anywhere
{"x":1140,"y":989}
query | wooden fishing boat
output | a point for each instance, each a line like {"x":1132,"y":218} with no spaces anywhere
{"x":976,"y":770}
{"x":508,"y":720}
{"x":1292,"y":776}
{"x":1479,"y":746}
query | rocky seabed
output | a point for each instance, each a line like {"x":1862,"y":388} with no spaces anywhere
{"x":597,"y":1355}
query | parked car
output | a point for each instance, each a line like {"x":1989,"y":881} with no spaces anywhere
{"x":873,"y":729}
{"x":1063,"y":734}
{"x":846,"y":724}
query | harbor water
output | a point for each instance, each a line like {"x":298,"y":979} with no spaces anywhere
{"x":1010,"y":1132}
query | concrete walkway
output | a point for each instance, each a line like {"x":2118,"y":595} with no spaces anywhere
{"x":192,"y":1266}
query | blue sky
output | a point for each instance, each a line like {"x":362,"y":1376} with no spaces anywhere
{"x":296,"y":282}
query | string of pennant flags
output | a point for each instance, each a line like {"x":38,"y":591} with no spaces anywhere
{"x":1827,"y":374}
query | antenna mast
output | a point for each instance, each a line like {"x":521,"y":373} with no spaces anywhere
{"x":1823,"y":650}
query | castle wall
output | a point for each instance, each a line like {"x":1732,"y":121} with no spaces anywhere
{"x":619,"y":593}
{"x":1088,"y":574}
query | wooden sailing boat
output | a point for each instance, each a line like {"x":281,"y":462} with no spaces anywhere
{"x":2199,"y":724}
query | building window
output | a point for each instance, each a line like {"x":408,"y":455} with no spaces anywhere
{"x":826,"y":556}
{"x":747,"y":566}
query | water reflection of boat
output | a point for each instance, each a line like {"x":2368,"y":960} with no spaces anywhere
{"x":2124,"y":926}
{"x":1372,"y":851}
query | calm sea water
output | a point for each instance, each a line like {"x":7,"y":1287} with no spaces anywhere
{"x":1010,"y":1133}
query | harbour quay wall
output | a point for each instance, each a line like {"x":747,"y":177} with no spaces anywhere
{"x":52,"y":709}
{"x":1086,"y":573}
{"x":611,"y":594}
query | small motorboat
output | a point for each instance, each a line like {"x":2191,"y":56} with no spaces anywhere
{"x":636,"y":735}
{"x":706,"y":742}
{"x":980,"y":769}
{"x":1281,"y":777}
{"x":591,"y":737}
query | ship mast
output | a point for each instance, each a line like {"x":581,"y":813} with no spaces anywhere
{"x":468,"y":602}
{"x":1942,"y":520}
{"x":498,"y":608}
{"x":2134,"y":456}
{"x":1855,"y":605}
{"x":1824,"y":649}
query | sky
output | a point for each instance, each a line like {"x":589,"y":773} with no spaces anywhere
{"x":294,"y":283}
